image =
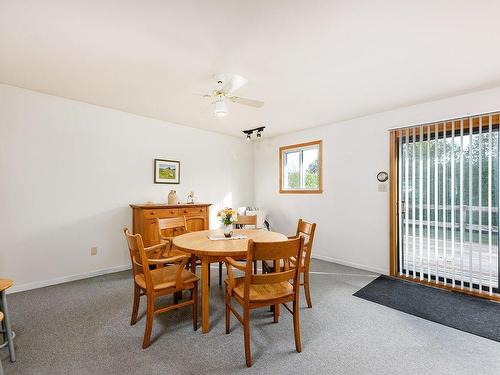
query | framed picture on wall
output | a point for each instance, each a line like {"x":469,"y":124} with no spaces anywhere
{"x":167,"y":171}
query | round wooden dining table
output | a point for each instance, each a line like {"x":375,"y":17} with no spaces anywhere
{"x":210,"y":251}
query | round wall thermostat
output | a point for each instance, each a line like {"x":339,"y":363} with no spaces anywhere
{"x":382,"y":176}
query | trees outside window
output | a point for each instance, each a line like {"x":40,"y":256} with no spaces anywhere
{"x":300,"y":168}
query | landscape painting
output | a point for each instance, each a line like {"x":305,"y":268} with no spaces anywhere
{"x":166,"y":171}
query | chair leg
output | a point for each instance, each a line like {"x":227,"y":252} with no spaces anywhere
{"x":135,"y":306}
{"x":194,"y":296}
{"x":276,"y":313}
{"x":307,"y":290}
{"x":246,"y":330}
{"x":193,"y":264}
{"x":296,"y":327}
{"x":220,"y":273}
{"x":149,"y":322}
{"x":7,"y":326}
{"x":177,"y":297}
{"x":228,"y":314}
{"x":209,"y":274}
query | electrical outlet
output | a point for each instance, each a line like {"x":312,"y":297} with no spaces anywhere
{"x":93,"y":250}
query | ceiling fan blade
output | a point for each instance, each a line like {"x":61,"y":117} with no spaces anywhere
{"x":191,"y":93}
{"x":235,"y":83}
{"x":245,"y":101}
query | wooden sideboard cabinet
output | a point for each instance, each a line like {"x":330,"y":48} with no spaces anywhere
{"x":144,"y":218}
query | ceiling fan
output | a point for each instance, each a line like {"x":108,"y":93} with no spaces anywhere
{"x":225,"y":90}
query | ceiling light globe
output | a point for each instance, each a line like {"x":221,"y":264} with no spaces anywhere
{"x":220,"y":109}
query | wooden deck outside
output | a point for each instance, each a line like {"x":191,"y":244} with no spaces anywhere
{"x":460,"y":269}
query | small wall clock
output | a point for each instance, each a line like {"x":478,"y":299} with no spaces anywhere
{"x":382,"y":176}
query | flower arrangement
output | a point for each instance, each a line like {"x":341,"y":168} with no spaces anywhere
{"x":227,"y":216}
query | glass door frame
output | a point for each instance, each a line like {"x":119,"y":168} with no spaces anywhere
{"x":394,"y":230}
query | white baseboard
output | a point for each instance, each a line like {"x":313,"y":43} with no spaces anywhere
{"x":350,"y":264}
{"x":65,"y":279}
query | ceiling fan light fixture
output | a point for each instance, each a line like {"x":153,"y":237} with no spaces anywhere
{"x":249,"y":137}
{"x":259,"y":134}
{"x":225,"y":90}
{"x":220,"y":108}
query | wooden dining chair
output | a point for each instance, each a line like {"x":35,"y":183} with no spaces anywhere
{"x":159,"y":282}
{"x":196,"y":220}
{"x":305,"y":230}
{"x":271,"y":289}
{"x":243,"y":220}
{"x":168,"y":228}
{"x":171,"y":227}
{"x":240,"y":224}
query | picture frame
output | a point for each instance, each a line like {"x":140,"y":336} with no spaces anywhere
{"x":167,"y":171}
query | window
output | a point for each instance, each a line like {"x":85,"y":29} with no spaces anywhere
{"x":301,"y":168}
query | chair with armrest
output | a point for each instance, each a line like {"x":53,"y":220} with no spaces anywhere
{"x":168,"y":228}
{"x":199,"y":222}
{"x":305,"y":230}
{"x":271,"y":289}
{"x":195,"y":221}
{"x":240,"y":224}
{"x":154,"y":283}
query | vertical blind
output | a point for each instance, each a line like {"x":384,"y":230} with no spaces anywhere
{"x":448,"y":202}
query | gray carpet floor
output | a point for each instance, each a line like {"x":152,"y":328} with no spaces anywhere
{"x":83,"y":327}
{"x":460,"y":311}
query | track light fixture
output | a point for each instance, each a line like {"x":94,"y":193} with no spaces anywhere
{"x":258,"y":130}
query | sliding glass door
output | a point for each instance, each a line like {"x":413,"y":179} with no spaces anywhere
{"x":448,"y":203}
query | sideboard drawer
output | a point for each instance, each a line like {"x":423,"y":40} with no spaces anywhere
{"x":161,"y":213}
{"x":192,"y":211}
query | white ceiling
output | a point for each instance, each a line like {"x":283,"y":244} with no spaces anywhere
{"x":312,"y":62}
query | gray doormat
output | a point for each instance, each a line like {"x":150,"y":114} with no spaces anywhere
{"x":470,"y":314}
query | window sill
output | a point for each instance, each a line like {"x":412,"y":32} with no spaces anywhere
{"x":301,"y":191}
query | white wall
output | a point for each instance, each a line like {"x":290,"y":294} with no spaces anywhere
{"x":69,"y":170}
{"x":352,"y":216}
